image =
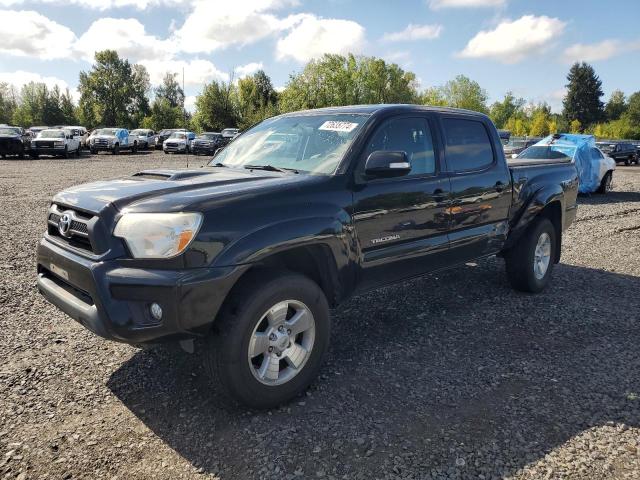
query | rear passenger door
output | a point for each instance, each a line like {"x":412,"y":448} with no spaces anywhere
{"x":480,"y":187}
{"x":401,"y":222}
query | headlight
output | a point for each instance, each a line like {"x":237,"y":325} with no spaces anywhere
{"x":158,"y":235}
{"x":58,"y":144}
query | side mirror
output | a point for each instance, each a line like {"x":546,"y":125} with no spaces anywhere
{"x":387,"y":164}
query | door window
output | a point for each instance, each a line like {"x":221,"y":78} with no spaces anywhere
{"x":410,"y":135}
{"x":468,"y":146}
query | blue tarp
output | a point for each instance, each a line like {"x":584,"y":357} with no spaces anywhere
{"x":581,"y":149}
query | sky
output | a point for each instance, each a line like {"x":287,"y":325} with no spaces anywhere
{"x":505,"y":45}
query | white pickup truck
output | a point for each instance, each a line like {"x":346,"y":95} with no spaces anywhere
{"x":112,"y":140}
{"x":55,"y":141}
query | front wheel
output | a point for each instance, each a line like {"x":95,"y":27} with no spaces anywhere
{"x":530,"y":262}
{"x":270,"y":339}
{"x":606,"y":184}
{"x":116,"y":149}
{"x":135,"y":148}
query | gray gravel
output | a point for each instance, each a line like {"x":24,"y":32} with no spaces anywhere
{"x":456,"y":375}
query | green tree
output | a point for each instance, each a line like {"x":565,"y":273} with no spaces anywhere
{"x":171,"y":90}
{"x":336,"y":80}
{"x":163,"y":115}
{"x":215,"y":108}
{"x":256,"y":99}
{"x":616,"y":105}
{"x":8,"y":102}
{"x":510,"y":106}
{"x":462,"y":92}
{"x":576,"y":126}
{"x":113,"y":91}
{"x":68,"y":109}
{"x":633,"y":108}
{"x":540,"y":116}
{"x":584,"y":90}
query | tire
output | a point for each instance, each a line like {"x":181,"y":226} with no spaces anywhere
{"x":520,"y":260}
{"x":244,"y":315}
{"x":135,"y":147}
{"x":66,"y":152}
{"x":78,"y":152}
{"x":605,"y":183}
{"x":93,"y":151}
{"x":116,"y":149}
{"x":627,"y":161}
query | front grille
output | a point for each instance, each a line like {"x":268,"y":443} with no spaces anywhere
{"x":44,"y":144}
{"x":78,"y":235}
{"x":101,"y":142}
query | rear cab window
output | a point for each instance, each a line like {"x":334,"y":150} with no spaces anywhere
{"x":468,"y":146}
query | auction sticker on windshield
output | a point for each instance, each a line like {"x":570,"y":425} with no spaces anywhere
{"x":334,"y":126}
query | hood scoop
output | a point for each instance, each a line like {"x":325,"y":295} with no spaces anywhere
{"x":169,"y":174}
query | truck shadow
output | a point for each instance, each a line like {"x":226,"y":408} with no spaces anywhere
{"x":611,"y":197}
{"x":451,"y":371}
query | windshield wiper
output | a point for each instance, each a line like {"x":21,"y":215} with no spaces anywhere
{"x":217,"y":164}
{"x":270,"y":168}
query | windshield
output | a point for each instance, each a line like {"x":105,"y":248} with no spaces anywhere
{"x":178,"y":135}
{"x":229,"y":132}
{"x":9,"y":131}
{"x":307,"y":143}
{"x":138,"y":132}
{"x":549,"y":152}
{"x":51,"y":134}
{"x":208,"y":136}
{"x":105,"y":131}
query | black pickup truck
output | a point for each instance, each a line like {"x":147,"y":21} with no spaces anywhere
{"x":297,"y":214}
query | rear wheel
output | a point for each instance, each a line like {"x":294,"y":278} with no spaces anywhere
{"x":530,"y":262}
{"x":628,"y":160}
{"x":270,"y":339}
{"x":66,"y":152}
{"x":135,"y":147}
{"x":116,"y":149}
{"x":606,"y":183}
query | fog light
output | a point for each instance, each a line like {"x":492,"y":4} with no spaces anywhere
{"x":156,"y":311}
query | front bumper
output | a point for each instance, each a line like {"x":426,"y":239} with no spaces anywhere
{"x":48,"y":151}
{"x":175,"y":148}
{"x":101,"y":147}
{"x":112,"y":299}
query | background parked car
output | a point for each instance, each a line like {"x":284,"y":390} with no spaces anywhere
{"x":516,"y":145}
{"x":207,"y":143}
{"x":57,"y":142}
{"x":620,"y":151}
{"x":146,"y":137}
{"x":179,"y":142}
{"x":13,"y":141}
{"x":112,"y":140}
{"x":34,"y":131}
{"x":229,"y":134}
{"x":163,"y":135}
{"x":81,"y":133}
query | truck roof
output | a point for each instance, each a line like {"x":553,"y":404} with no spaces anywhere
{"x":383,"y":107}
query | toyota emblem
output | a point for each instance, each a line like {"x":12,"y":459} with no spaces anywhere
{"x":64,"y":225}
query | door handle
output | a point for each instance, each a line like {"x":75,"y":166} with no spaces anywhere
{"x":499,"y":186}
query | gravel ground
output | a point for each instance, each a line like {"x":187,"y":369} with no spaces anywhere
{"x":455,"y":375}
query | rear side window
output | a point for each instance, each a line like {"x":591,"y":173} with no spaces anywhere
{"x":410,"y":135}
{"x":468,"y":146}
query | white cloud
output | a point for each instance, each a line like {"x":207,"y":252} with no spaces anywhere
{"x":513,"y":41}
{"x":248,"y":69}
{"x":101,"y":5}
{"x":594,"y":52}
{"x":209,"y":27}
{"x":414,"y":32}
{"x":196,"y":72}
{"x":29,"y":34}
{"x":438,"y":4}
{"x":311,"y":37}
{"x":125,"y":35}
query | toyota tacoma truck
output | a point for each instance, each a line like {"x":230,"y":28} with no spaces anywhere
{"x":248,"y":254}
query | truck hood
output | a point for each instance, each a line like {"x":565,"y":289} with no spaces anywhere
{"x":149,"y":186}
{"x":105,"y":137}
{"x":49,"y":139}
